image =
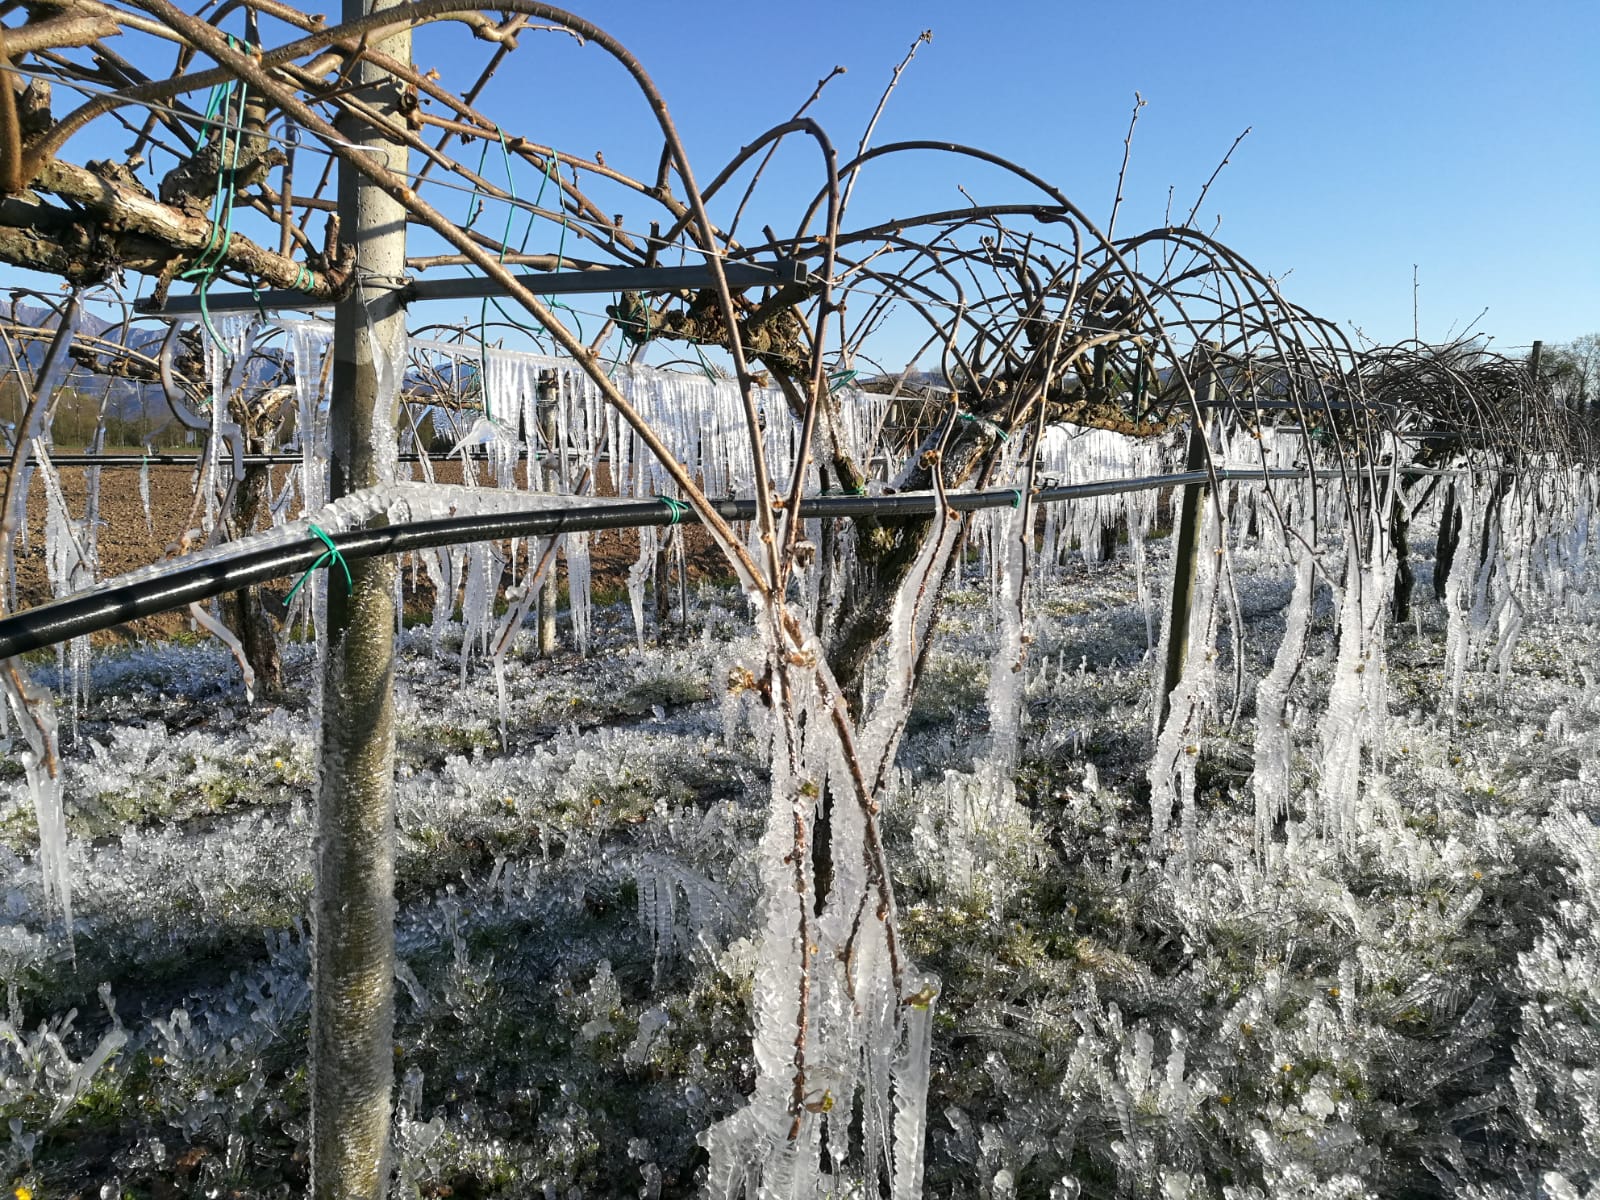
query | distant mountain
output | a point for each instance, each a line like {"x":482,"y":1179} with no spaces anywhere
{"x":126,"y":400}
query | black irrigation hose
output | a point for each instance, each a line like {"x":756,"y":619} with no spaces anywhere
{"x":101,"y":608}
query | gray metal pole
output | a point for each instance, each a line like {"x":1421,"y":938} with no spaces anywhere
{"x":352,"y":1023}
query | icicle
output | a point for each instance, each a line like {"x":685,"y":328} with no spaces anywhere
{"x":1459,"y":591}
{"x":477,"y":603}
{"x":908,"y":625}
{"x":1141,"y":586}
{"x":70,"y":567}
{"x":443,"y":565}
{"x":1356,"y":697}
{"x":519,"y":605}
{"x":34,"y":709}
{"x":1172,"y":765}
{"x":501,"y":450}
{"x":144,"y":494}
{"x":756,"y":1142}
{"x":642,"y":569}
{"x":1270,"y":779}
{"x":1006,"y":673}
{"x":579,"y":596}
{"x":864,"y":999}
{"x":911,"y":1086}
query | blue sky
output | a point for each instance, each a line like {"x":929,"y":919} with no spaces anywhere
{"x":1461,"y":137}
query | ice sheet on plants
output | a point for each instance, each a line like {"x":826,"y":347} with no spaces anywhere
{"x":1298,"y":996}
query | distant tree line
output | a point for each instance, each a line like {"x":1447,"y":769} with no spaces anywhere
{"x":1572,"y":372}
{"x":77,"y":415}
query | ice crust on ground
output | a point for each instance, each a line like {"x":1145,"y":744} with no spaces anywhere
{"x":1362,"y":1000}
{"x":1394,"y":995}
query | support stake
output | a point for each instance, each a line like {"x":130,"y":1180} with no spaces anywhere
{"x":352,"y":1019}
{"x":1184,"y":564}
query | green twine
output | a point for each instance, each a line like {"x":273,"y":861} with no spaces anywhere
{"x":676,"y":507}
{"x":1016,"y":497}
{"x":215,"y":251}
{"x":839,"y":379}
{"x":561,"y":244}
{"x":527,"y":232}
{"x":704,"y":365}
{"x":330,"y":555}
{"x":626,"y":320}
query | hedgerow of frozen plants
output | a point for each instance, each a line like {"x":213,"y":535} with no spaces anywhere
{"x":1408,"y":1010}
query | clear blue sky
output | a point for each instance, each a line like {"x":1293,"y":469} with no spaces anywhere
{"x":1463,"y":137}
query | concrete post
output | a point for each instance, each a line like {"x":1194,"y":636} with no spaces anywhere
{"x":352,"y":1021}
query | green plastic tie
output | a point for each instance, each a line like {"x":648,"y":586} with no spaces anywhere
{"x":330,"y":555}
{"x":987,"y":424}
{"x":704,"y":365}
{"x":676,"y":507}
{"x":1016,"y":497}
{"x":839,"y":379}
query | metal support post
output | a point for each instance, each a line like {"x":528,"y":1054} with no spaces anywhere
{"x":352,"y":1020}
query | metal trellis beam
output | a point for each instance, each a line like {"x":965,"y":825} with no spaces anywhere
{"x":546,"y":283}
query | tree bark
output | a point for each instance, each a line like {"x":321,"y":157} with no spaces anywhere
{"x":1445,"y":548}
{"x":246,"y":611}
{"x":116,"y":225}
{"x":1405,"y":579}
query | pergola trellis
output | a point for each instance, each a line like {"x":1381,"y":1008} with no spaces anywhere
{"x":1037,"y":315}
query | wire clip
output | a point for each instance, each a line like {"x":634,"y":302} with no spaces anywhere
{"x":330,"y":555}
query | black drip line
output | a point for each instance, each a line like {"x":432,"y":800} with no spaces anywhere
{"x":180,"y":585}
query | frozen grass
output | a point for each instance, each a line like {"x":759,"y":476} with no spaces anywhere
{"x":1414,"y":1016}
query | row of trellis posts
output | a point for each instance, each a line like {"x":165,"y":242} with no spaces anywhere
{"x":354,"y":902}
{"x":351,"y":1028}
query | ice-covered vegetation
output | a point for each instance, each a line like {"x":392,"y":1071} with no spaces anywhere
{"x":1160,"y":843}
{"x":1388,"y":991}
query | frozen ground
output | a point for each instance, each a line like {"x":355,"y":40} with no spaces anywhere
{"x":1414,"y":1012}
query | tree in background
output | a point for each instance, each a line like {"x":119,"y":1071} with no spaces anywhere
{"x":1573,"y":373}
